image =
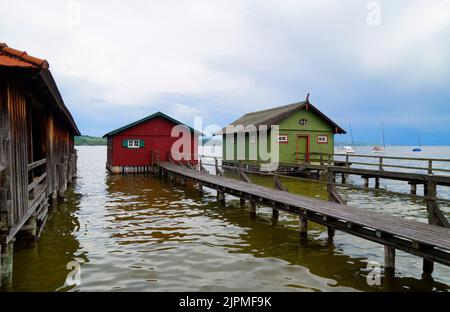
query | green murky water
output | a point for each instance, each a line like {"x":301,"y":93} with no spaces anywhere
{"x":140,"y":233}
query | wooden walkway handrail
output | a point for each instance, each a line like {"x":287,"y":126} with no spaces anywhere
{"x":38,"y":180}
{"x":36,"y":164}
{"x":431,"y":242}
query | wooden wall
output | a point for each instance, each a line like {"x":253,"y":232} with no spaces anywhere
{"x":31,"y":130}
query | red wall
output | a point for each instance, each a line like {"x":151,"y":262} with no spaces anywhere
{"x":156,"y":135}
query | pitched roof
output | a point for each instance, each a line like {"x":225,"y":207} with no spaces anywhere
{"x":273,"y":116}
{"x":157,"y":114}
{"x":12,"y":58}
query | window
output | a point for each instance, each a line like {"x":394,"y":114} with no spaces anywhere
{"x":322,"y":139}
{"x":303,"y":122}
{"x":133,"y":143}
{"x":282,"y":138}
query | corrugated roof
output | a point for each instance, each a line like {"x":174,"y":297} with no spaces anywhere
{"x":273,"y":116}
{"x":12,"y":58}
{"x":157,"y":114}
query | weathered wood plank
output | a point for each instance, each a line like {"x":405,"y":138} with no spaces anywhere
{"x":426,"y":234}
{"x":36,"y":164}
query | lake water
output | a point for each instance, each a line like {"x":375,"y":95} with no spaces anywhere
{"x":141,"y":233}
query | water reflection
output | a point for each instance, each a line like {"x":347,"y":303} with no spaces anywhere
{"x":141,"y":233}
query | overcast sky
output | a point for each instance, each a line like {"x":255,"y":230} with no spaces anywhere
{"x":118,"y":61}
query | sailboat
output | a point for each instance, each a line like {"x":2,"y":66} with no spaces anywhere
{"x":418,"y":149}
{"x":378,"y":148}
{"x":349,"y":149}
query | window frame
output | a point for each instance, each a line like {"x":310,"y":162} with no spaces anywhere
{"x":133,"y":145}
{"x":322,"y":136}
{"x":283,"y":141}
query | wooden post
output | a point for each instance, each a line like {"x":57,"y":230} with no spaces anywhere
{"x":275,"y":215}
{"x":6,"y":263}
{"x":389,"y":260}
{"x":221,"y":197}
{"x":62,"y":179}
{"x":200,"y":187}
{"x":377,"y":182}
{"x":413,"y":188}
{"x":430,"y":166}
{"x":29,"y":229}
{"x":216,"y":165}
{"x":344,"y":178}
{"x":252,"y":209}
{"x":242,"y":201}
{"x":303,"y":223}
{"x":380,"y":166}
{"x":321,"y":159}
{"x":366,"y":182}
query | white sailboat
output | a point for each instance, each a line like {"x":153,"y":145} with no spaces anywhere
{"x":380,"y":148}
{"x":349,"y":149}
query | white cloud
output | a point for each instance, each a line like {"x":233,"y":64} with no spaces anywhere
{"x":234,"y":53}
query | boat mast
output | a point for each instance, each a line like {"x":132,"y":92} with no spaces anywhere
{"x":351,"y":135}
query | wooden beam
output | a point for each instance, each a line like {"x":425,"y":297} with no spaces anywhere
{"x":36,"y":164}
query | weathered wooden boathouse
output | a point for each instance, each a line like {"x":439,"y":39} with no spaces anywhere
{"x":37,"y":155}
{"x":135,"y":147}
{"x":304,"y":131}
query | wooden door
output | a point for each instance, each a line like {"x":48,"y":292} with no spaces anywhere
{"x":302,"y":148}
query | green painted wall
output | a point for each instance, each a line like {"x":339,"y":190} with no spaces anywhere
{"x":316,"y":126}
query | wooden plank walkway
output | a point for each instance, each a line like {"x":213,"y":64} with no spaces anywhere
{"x":430,"y":242}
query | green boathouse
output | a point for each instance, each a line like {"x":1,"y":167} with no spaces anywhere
{"x":304,"y":133}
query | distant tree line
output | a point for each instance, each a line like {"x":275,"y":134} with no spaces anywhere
{"x":89,"y":140}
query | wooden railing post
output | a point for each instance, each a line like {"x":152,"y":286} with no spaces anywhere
{"x":430,"y":166}
{"x":380,"y":165}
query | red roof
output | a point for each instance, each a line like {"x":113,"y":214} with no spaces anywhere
{"x":14,"y":58}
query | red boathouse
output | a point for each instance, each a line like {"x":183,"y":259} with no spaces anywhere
{"x":131,"y":147}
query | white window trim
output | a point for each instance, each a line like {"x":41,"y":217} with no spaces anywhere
{"x":132,"y":144}
{"x":282,"y":138}
{"x":322,"y":139}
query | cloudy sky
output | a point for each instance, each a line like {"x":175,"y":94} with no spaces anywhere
{"x":362,"y":61}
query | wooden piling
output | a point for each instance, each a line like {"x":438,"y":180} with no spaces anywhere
{"x":303,"y":226}
{"x":6,"y":263}
{"x":221,"y":197}
{"x":275,"y":215}
{"x":377,"y":182}
{"x":242,"y":201}
{"x":389,"y":260}
{"x":366,"y":182}
{"x":252,"y":206}
{"x":413,"y":188}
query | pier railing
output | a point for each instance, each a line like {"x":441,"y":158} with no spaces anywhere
{"x":37,"y":187}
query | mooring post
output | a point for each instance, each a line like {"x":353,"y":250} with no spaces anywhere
{"x":242,"y":201}
{"x":389,"y":261}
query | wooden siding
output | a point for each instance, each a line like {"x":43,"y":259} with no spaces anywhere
{"x":31,"y":131}
{"x":156,"y":134}
{"x":290,"y":126}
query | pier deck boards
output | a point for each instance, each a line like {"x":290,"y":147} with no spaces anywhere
{"x":430,"y":242}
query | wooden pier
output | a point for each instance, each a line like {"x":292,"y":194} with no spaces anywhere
{"x":428,"y":241}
